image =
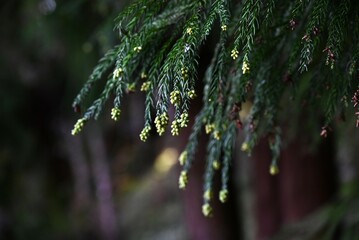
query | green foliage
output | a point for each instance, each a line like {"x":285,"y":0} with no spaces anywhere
{"x":261,"y":52}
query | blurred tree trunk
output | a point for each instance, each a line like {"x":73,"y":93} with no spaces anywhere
{"x":306,"y":181}
{"x":103,"y":186}
{"x":224,"y":224}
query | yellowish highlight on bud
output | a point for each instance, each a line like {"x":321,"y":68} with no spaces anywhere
{"x":145,"y":86}
{"x":216,"y":165}
{"x":183,"y":179}
{"x":183,"y":158}
{"x":223,"y":195}
{"x":137,"y":49}
{"x":245,"y":67}
{"x":273,"y":170}
{"x":207,"y":210}
{"x":145,"y":133}
{"x":209,"y":128}
{"x":175,"y":127}
{"x":217,"y":135}
{"x":79,"y":125}
{"x":192,"y":94}
{"x":245,"y":147}
{"x":189,"y":31}
{"x":115,"y":114}
{"x":234,"y":54}
{"x":117,"y":72}
{"x":175,"y":97}
{"x":161,"y":122}
{"x":143,"y":75}
{"x":208,"y":194}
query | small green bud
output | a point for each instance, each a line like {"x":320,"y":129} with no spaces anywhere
{"x":79,"y":125}
{"x":183,"y":179}
{"x":216,"y":165}
{"x":143,"y":75}
{"x":131,"y":87}
{"x":137,"y":49}
{"x":175,"y":127}
{"x":223,"y":195}
{"x":245,"y":67}
{"x":234,"y":54}
{"x":175,"y":97}
{"x":145,"y":86}
{"x":217,"y":135}
{"x":207,"y":210}
{"x":115,"y":114}
{"x":183,"y":158}
{"x":117,"y":72}
{"x":245,"y":147}
{"x":189,"y":31}
{"x":208,"y":194}
{"x":209,"y":128}
{"x":184,"y":120}
{"x":184,"y":72}
{"x":192,"y":94}
{"x":161,"y":122}
{"x":274,"y":170}
{"x":145,"y":133}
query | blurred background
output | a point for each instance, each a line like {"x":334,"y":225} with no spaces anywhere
{"x":107,"y":184}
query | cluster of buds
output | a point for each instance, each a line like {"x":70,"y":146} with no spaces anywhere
{"x":145,"y":86}
{"x":207,"y":210}
{"x":137,"y":49}
{"x":245,"y":67}
{"x":217,"y":134}
{"x":234,"y":54}
{"x":208,"y":194}
{"x":184,"y":119}
{"x":145,"y":133}
{"x":79,"y":125}
{"x":175,"y":97}
{"x":192,"y":94}
{"x":117,"y":72}
{"x":209,"y":128}
{"x":179,"y":123}
{"x":183,"y":158}
{"x":184,"y":72}
{"x":223,"y":195}
{"x":115,"y":114}
{"x":224,"y":28}
{"x":183,"y":179}
{"x":143,"y":75}
{"x":175,"y":127}
{"x":189,"y":31}
{"x":355,"y":101}
{"x":161,"y":122}
{"x":131,"y":88}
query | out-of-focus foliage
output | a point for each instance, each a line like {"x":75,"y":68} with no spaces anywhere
{"x":47,"y":47}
